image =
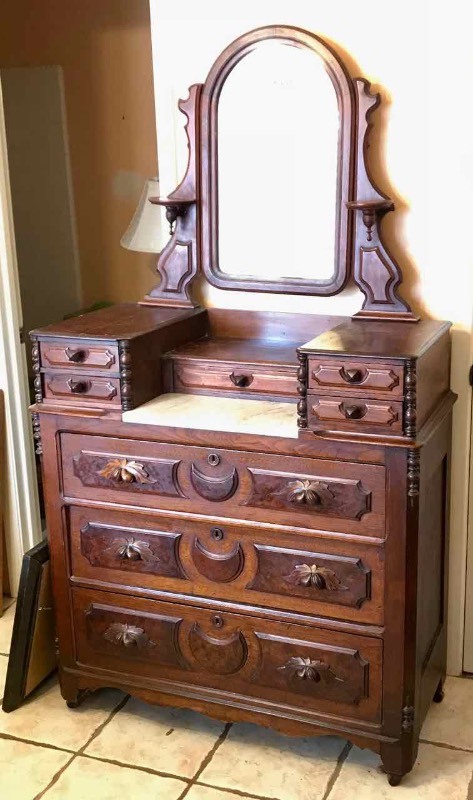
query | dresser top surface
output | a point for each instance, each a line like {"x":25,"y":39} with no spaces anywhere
{"x":122,"y":321}
{"x":378,"y":339}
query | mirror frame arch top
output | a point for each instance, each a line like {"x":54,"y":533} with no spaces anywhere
{"x":346,"y":101}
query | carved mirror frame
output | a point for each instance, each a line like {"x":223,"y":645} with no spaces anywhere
{"x":192,"y":208}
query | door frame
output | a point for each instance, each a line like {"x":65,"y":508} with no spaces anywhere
{"x":22,"y":515}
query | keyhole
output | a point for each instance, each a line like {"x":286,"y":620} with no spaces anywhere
{"x":213,"y":459}
{"x":217,"y":621}
{"x":217,"y":534}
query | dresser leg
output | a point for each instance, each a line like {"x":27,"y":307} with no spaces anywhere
{"x":398,"y":759}
{"x":70,"y":690}
{"x":77,"y":700}
{"x":439,"y":693}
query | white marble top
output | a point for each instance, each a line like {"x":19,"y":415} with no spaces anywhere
{"x":210,"y":413}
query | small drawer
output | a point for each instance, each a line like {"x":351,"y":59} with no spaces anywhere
{"x":355,"y":377}
{"x":78,"y":354}
{"x":252,"y":379}
{"x":82,"y":389}
{"x":242,"y":564}
{"x":354,"y":414}
{"x":319,"y":671}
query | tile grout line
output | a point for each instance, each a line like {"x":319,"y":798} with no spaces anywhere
{"x":125,"y":765}
{"x":446,"y":746}
{"x":338,"y":768}
{"x":9,"y":737}
{"x":236,"y":792}
{"x":206,"y":761}
{"x":79,"y":752}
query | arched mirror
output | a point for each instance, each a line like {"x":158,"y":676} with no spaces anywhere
{"x":277,"y":116}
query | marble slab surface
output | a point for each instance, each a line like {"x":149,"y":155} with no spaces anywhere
{"x":209,"y":413}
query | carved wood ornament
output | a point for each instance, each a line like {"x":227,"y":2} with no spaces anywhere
{"x":192,"y":208}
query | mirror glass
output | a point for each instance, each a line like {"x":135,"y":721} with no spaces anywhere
{"x":278,"y":141}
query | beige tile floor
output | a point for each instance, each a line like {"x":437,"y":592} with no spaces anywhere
{"x":114,"y":747}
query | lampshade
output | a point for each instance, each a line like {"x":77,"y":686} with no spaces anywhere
{"x":144,"y":231}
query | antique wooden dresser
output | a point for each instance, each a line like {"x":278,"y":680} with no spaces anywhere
{"x":247,"y":510}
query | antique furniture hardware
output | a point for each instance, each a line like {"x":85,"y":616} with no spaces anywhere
{"x":121,"y":470}
{"x":314,"y":575}
{"x":311,"y":493}
{"x":353,"y":375}
{"x":132,"y":549}
{"x":76,"y":356}
{"x":217,"y":534}
{"x":307,"y":669}
{"x":128,"y":636}
{"x":213,"y":459}
{"x":241,"y":380}
{"x":354,"y":411}
{"x":78,"y":387}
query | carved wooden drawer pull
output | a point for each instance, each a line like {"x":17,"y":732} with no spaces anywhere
{"x":353,"y":375}
{"x":307,"y":492}
{"x":313,"y":575}
{"x":353,"y":411}
{"x":308,"y":670}
{"x":128,"y":636}
{"x":132,"y":550}
{"x":241,"y":380}
{"x":78,"y":387}
{"x":122,"y":471}
{"x":76,"y":356}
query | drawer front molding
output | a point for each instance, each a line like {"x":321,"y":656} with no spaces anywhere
{"x":82,"y":388}
{"x":244,"y":379}
{"x":360,"y":377}
{"x":79,"y":355}
{"x":355,"y":413}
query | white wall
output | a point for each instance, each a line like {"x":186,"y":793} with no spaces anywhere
{"x":419,"y":56}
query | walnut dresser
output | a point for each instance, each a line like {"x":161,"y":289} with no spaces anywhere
{"x":247,"y":511}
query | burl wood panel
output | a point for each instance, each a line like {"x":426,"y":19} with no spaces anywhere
{"x":242,"y":564}
{"x":324,"y":672}
{"x":314,"y":493}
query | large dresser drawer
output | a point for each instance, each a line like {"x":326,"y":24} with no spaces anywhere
{"x":228,"y":562}
{"x":300,"y":492}
{"x":288,"y":665}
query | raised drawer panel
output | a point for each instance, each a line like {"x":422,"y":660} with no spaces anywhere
{"x":288,"y":665}
{"x":355,"y":414}
{"x":302,"y":492}
{"x":82,"y":389}
{"x":251,"y":379}
{"x":355,"y":377}
{"x":77,"y":354}
{"x":229,"y":562}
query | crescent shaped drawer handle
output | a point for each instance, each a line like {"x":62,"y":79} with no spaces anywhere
{"x":353,"y":375}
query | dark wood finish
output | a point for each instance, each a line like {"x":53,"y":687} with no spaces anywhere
{"x":167,"y":642}
{"x":347,"y":497}
{"x":298,"y":582}
{"x":178,"y":264}
{"x":81,"y":388}
{"x":375,"y":271}
{"x":226,"y":562}
{"x":354,"y":413}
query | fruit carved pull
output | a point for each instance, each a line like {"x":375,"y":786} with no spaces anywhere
{"x":132,"y":550}
{"x":307,"y":492}
{"x":120,"y":470}
{"x":307,"y":669}
{"x":128,"y":636}
{"x":313,"y":575}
